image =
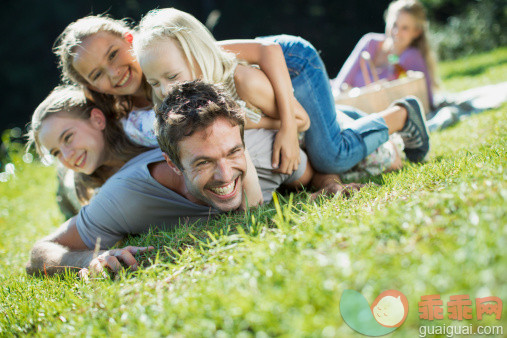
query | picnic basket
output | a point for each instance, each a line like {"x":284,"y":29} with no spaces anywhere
{"x":378,"y":94}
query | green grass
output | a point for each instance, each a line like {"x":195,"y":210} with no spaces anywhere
{"x":474,"y":71}
{"x":435,"y":228}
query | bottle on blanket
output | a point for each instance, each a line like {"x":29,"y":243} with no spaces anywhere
{"x":396,"y":71}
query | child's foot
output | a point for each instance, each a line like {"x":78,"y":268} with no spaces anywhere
{"x":415,"y":132}
{"x":397,"y":162}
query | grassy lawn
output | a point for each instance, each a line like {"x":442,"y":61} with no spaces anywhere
{"x":436,"y":228}
{"x":475,"y":71}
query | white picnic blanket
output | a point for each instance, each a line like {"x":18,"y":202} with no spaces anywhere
{"x":453,"y":107}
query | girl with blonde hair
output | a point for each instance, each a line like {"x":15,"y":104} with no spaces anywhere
{"x":173,"y":40}
{"x":406,"y":39}
{"x":173,"y":46}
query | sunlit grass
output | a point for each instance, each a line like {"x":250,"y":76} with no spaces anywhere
{"x":474,"y":71}
{"x":435,"y":228}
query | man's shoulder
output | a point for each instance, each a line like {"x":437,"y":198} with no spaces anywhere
{"x":134,"y":173}
{"x":141,"y":160}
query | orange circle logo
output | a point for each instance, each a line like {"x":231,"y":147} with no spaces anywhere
{"x":390,"y":308}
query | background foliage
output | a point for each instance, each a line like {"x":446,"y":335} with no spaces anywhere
{"x":29,"y":71}
{"x":478,"y":26}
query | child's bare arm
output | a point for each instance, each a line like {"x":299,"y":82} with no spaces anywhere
{"x":269,"y":57}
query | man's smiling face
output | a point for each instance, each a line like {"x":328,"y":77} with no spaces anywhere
{"x":214,"y":165}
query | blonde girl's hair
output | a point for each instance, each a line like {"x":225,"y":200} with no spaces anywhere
{"x":72,"y":37}
{"x":422,"y":43}
{"x":71,"y":101}
{"x":198,"y":45}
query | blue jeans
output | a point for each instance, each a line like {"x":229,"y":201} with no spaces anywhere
{"x":330,"y":149}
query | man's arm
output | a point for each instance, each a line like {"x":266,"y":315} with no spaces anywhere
{"x":64,"y":249}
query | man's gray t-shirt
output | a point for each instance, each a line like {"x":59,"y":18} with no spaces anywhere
{"x":259,"y":143}
{"x":132,"y":201}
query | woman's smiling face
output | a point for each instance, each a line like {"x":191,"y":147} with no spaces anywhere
{"x":404,"y":30}
{"x":105,"y":61}
{"x":77,"y":143}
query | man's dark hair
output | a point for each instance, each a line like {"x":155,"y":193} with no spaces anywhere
{"x":190,"y":107}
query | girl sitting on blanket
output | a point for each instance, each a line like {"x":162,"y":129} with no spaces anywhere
{"x":88,"y":139}
{"x":406,"y":39}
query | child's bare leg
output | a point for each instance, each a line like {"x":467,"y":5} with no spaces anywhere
{"x":397,"y":163}
{"x":395,"y":118}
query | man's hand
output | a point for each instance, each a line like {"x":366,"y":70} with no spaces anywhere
{"x":111,"y":260}
{"x":286,"y":157}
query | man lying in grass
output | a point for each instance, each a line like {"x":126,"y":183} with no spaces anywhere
{"x":199,"y":171}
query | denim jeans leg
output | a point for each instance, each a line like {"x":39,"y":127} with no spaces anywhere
{"x":362,"y":125}
{"x":351,"y":112}
{"x":330,"y":149}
